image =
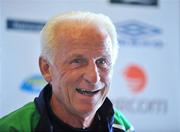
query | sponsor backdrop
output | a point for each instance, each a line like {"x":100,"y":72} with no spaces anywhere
{"x":145,"y":84}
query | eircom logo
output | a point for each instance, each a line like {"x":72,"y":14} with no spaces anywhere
{"x":135,"y":78}
{"x":33,"y":84}
{"x":136,"y":33}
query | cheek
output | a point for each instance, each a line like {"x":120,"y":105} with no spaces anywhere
{"x":67,"y":82}
{"x":70,"y":78}
{"x":58,"y":75}
{"x":106,"y":76}
{"x":106,"y":79}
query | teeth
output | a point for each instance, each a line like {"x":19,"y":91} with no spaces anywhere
{"x":85,"y":92}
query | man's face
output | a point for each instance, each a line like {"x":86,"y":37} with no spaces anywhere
{"x":81,"y":70}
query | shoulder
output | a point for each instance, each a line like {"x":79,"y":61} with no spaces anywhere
{"x":120,"y":122}
{"x":23,"y":119}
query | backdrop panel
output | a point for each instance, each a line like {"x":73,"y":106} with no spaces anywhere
{"x":145,"y":83}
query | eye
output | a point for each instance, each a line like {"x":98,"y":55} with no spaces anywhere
{"x":102,"y":62}
{"x":76,"y":62}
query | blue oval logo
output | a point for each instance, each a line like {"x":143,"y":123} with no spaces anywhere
{"x":33,"y":84}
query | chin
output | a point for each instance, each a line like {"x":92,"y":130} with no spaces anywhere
{"x":86,"y":111}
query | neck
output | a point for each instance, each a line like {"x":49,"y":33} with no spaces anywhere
{"x":70,"y":118}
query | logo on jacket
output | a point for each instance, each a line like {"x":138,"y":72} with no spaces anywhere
{"x":135,"y":77}
{"x":136,"y":33}
{"x":33,"y":84}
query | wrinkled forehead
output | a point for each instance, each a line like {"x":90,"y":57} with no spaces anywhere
{"x":83,"y":36}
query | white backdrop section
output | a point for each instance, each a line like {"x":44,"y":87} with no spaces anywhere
{"x":157,"y":55}
{"x":161,"y":65}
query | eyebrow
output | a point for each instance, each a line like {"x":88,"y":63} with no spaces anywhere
{"x":73,"y":56}
{"x":76,"y":56}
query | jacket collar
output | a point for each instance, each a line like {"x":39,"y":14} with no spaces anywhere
{"x":40,"y":102}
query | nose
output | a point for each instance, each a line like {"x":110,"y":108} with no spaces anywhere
{"x":91,"y":74}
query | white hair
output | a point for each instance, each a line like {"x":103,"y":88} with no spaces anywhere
{"x":48,"y":31}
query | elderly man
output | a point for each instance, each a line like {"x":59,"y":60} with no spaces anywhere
{"x":78,"y":50}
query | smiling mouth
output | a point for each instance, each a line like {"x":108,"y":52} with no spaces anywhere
{"x":86,"y":92}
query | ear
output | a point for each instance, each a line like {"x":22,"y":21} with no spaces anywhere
{"x":45,"y":69}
